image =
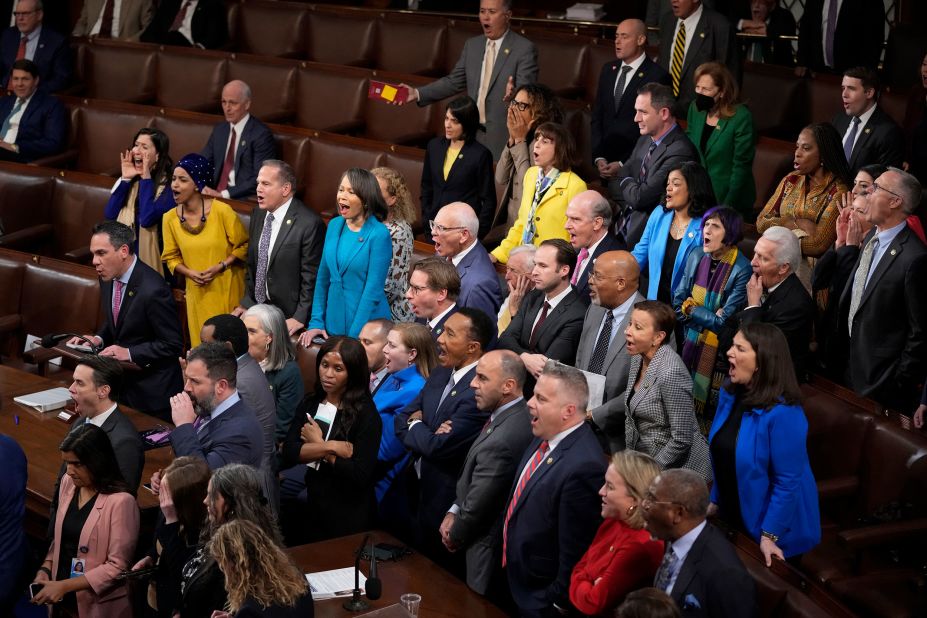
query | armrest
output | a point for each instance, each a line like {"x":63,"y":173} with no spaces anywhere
{"x":418,"y":139}
{"x":11,"y":322}
{"x":881,"y":534}
{"x":838,"y":487}
{"x":352,"y":126}
{"x":80,"y":255}
{"x":62,"y":159}
{"x":43,"y":231}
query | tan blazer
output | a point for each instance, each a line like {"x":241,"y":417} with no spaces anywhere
{"x":134,"y":17}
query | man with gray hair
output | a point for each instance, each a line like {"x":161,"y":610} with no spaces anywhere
{"x":776,"y":296}
{"x":588,"y":220}
{"x":29,"y":38}
{"x":454,"y":233}
{"x":518,"y":279}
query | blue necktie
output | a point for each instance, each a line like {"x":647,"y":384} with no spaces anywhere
{"x":6,"y":123}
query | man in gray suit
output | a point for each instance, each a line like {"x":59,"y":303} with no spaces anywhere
{"x":490,"y":67}
{"x":95,"y":20}
{"x":613,"y":286}
{"x":474,"y":521}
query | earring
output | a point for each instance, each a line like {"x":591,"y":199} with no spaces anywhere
{"x":631,"y":509}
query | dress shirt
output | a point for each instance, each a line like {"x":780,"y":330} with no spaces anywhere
{"x":766,"y":293}
{"x":691,"y":22}
{"x":378,"y":377}
{"x":457,"y":259}
{"x":619,"y":314}
{"x":117,"y":9}
{"x":680,"y":547}
{"x":885,"y":238}
{"x":863,"y":119}
{"x":591,"y":249}
{"x":32,"y":42}
{"x":498,"y":46}
{"x":635,"y":66}
{"x":551,"y":445}
{"x":186,"y":29}
{"x":238,"y":127}
{"x":434,"y":321}
{"x":824,"y":13}
{"x":15,"y":119}
{"x":219,"y":409}
{"x":100,"y":418}
{"x":553,"y":302}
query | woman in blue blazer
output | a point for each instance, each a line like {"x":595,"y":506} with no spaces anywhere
{"x":674,"y":231}
{"x":763,"y":481}
{"x":350,"y":289}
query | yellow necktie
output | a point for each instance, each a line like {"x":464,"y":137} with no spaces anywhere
{"x":679,"y":54}
{"x":488,"y":61}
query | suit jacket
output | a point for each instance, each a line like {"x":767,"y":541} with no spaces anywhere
{"x":209,"y":26}
{"x":734,"y":294}
{"x":150,"y":328}
{"x":484,"y":484}
{"x":650,"y":250}
{"x":608,"y":243}
{"x":516,"y":59}
{"x":439,"y":327}
{"x":660,"y":418}
{"x":614,"y":132}
{"x":442,"y":455}
{"x":134,"y":17}
{"x":714,"y":40}
{"x":470,"y":181}
{"x":293,"y":262}
{"x":255,"y":392}
{"x":556,"y":338}
{"x":42,"y":129}
{"x":109,"y":534}
{"x":881,"y":141}
{"x":780,"y":22}
{"x":52,"y":56}
{"x":728,"y":156}
{"x":479,"y":282}
{"x":234,"y":436}
{"x":255,"y":146}
{"x":856,"y":42}
{"x":713,"y":581}
{"x":554,"y":521}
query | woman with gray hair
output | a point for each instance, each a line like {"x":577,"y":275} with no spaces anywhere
{"x":270,"y":345}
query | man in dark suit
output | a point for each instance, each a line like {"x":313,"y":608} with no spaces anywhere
{"x":769,"y":20}
{"x":700,"y":569}
{"x":776,"y":296}
{"x":212,"y":422}
{"x":834,"y":44}
{"x":869,"y":134}
{"x":881,"y":321}
{"x":473,"y":523}
{"x":614,"y":131}
{"x":442,"y":422}
{"x":553,"y":509}
{"x":238,"y":147}
{"x":641,"y":182}
{"x":33,"y":123}
{"x":284,"y":248}
{"x":588,"y":222}
{"x":140,"y":321}
{"x":691,"y":35}
{"x":30,"y":40}
{"x":434,"y":286}
{"x":455,"y":237}
{"x":176,"y":23}
{"x":601,"y":346}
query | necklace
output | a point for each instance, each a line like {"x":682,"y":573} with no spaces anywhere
{"x":193,"y":229}
{"x":678,"y":228}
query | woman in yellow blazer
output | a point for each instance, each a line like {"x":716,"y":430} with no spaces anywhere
{"x":722,"y":131}
{"x":548,"y":187}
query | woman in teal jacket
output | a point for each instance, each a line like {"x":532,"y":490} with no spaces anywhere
{"x":722,"y":131}
{"x":763,"y":480}
{"x":350,"y":286}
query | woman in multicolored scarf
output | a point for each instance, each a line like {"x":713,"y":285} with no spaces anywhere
{"x":712,"y":289}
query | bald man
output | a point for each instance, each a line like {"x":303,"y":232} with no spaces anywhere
{"x":613,"y":288}
{"x":588,"y":222}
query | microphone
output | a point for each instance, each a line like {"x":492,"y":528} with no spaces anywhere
{"x":51,"y":340}
{"x":374,"y":586}
{"x":356,"y":603}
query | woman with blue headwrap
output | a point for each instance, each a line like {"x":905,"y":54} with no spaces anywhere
{"x":206,"y":242}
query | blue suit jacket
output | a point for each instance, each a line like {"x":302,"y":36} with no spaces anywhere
{"x":235,"y":436}
{"x":395,"y":392}
{"x":255,"y":146}
{"x":442,"y":455}
{"x":52,"y":56}
{"x":554,"y":521}
{"x":651,"y":248}
{"x":43,"y":128}
{"x":479,"y":282}
{"x":349,"y":295}
{"x":777,"y":490}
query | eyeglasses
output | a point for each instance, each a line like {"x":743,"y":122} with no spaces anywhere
{"x":437,"y":228}
{"x":650,"y":499}
{"x":415,"y":290}
{"x":24,"y":13}
{"x":519,"y":105}
{"x":597,"y":276}
{"x":876,"y":186}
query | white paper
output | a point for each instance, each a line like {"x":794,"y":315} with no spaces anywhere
{"x":33,"y":342}
{"x":596,"y":385}
{"x":325,"y":416}
{"x":47,"y":400}
{"x":333,"y":584}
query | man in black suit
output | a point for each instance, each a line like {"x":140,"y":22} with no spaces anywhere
{"x":776,"y":296}
{"x":284,"y":248}
{"x":881,"y":321}
{"x":771,"y":21}
{"x":140,"y":321}
{"x":434,"y":286}
{"x":176,"y":23}
{"x":473,"y":523}
{"x":553,"y":509}
{"x":869,"y":134}
{"x":641,"y":182}
{"x":29,"y":39}
{"x":614,"y":131}
{"x":834,"y":44}
{"x":588,"y":222}
{"x":700,"y":569}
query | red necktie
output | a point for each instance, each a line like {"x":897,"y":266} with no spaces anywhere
{"x":178,"y":21}
{"x":20,"y":54}
{"x":580,"y":260}
{"x":535,"y":462}
{"x":537,"y":327}
{"x":117,"y":298}
{"x":106,"y":23}
{"x":228,"y":166}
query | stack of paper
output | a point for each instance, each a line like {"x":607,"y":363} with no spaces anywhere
{"x":45,"y":401}
{"x":585,"y":11}
{"x":336,"y":583}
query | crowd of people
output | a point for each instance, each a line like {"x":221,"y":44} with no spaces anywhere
{"x":558,"y":441}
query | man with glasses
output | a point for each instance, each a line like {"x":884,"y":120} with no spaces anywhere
{"x":700,"y":569}
{"x":433,"y":289}
{"x":454,"y":232}
{"x":29,"y":40}
{"x":518,"y":279}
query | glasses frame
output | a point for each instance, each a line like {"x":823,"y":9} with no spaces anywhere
{"x":437,"y":228}
{"x":522,"y":107}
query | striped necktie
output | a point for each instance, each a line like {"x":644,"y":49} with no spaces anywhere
{"x":679,"y":54}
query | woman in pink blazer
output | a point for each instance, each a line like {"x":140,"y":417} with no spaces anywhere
{"x":96,"y":528}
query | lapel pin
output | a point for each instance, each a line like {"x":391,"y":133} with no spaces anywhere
{"x":641,"y":74}
{"x":453,"y":393}
{"x":550,"y":460}
{"x":289,"y":221}
{"x":560,"y":192}
{"x":614,"y":67}
{"x":488,"y":431}
{"x":460,"y":156}
{"x":867,"y":130}
{"x":691,"y":234}
{"x":360,"y":239}
{"x":701,"y":35}
{"x":505,"y":51}
{"x":893,"y":251}
{"x":84,"y":549}
{"x":131,"y":293}
{"x":242,"y":143}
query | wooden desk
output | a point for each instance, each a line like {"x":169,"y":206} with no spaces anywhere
{"x":39,"y":435}
{"x":442,"y":593}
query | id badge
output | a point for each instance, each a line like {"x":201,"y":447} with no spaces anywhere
{"x":77,"y":567}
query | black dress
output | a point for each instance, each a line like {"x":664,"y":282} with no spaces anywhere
{"x":723,"y":455}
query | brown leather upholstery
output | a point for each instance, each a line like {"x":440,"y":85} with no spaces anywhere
{"x":394,"y":52}
{"x":598,"y":52}
{"x":187,"y":135}
{"x":330,"y":100}
{"x":101,"y":136}
{"x":408,"y":125}
{"x":26,"y":197}
{"x":120,"y":72}
{"x":337,"y":39}
{"x":823,"y":98}
{"x":191,"y":82}
{"x":305,"y":358}
{"x":458,"y":31}
{"x":409,"y":162}
{"x":328,"y":161}
{"x":560,"y":59}
{"x":578,"y":121}
{"x":773,"y":160}
{"x":294,"y":149}
{"x":273,"y":87}
{"x":79,"y":204}
{"x":271,"y":29}
{"x":777,"y":99}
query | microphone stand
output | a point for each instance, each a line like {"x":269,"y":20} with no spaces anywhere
{"x":356,"y":603}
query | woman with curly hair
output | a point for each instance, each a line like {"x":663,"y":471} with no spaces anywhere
{"x":399,"y":218}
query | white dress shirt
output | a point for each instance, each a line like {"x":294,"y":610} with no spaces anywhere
{"x":117,"y":10}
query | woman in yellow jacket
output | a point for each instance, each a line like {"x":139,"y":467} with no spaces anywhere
{"x":542,"y":214}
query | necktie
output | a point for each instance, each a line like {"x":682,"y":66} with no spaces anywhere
{"x":601,"y":345}
{"x":447,"y":390}
{"x":645,"y":164}
{"x":537,"y":326}
{"x":228,"y":165}
{"x":665,"y":573}
{"x":199,"y":423}
{"x":20,"y":54}
{"x":260,"y":276}
{"x":373,"y":381}
{"x":181,"y":15}
{"x":117,"y":299}
{"x":679,"y":54}
{"x":851,"y":137}
{"x":8,"y":120}
{"x":488,"y":61}
{"x":532,"y":466}
{"x":620,"y":84}
{"x":580,"y":260}
{"x":106,"y":23}
{"x":859,"y":280}
{"x":829,"y":35}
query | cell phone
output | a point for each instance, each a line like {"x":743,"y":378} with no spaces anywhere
{"x":35,"y":588}
{"x":318,"y":340}
{"x":137,"y":573}
{"x":148,"y":487}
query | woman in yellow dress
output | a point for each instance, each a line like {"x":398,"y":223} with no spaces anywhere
{"x":206,"y":242}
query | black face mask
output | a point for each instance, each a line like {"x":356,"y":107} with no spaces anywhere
{"x":703,"y":102}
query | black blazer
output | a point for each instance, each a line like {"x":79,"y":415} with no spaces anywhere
{"x":881,"y":140}
{"x":609,"y":243}
{"x":209,"y":25}
{"x":556,"y":338}
{"x":614,"y":132}
{"x":856,"y":42}
{"x":470,"y":180}
{"x":293,"y":262}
